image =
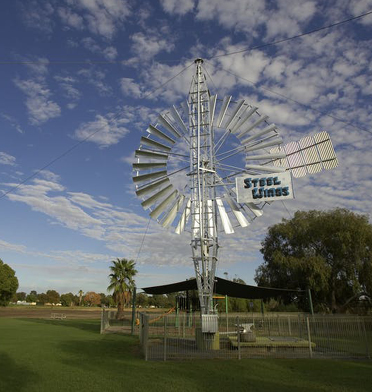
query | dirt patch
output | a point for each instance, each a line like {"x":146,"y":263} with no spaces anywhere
{"x":45,"y":312}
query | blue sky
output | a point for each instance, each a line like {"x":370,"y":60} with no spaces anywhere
{"x":70,"y":68}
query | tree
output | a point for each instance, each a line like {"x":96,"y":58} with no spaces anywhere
{"x":106,"y":300}
{"x":328,"y":252}
{"x":142,"y":300}
{"x":21,"y":296}
{"x":68,"y":299}
{"x":92,"y":299}
{"x":32,"y":297}
{"x":53,"y":297}
{"x":42,"y":298}
{"x":80,"y":296}
{"x":8,"y":283}
{"x":122,"y":282}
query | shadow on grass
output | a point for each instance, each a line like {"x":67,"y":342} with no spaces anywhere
{"x":92,"y":326}
{"x":14,"y":377}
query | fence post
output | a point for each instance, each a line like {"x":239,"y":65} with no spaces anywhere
{"x":102,"y":320}
{"x":309,"y":337}
{"x":227,"y":313}
{"x":184,"y":325}
{"x":366,"y":338}
{"x":146,"y":335}
{"x":165,"y":338}
{"x":133,"y":310}
{"x":289,"y":326}
{"x":309,"y":298}
{"x":238,"y":330}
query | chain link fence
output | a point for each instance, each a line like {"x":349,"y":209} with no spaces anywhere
{"x":180,"y":336}
{"x":111,"y":324}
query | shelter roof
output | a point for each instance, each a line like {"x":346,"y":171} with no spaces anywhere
{"x":224,"y":287}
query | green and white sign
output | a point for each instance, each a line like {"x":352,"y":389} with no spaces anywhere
{"x":267,"y":187}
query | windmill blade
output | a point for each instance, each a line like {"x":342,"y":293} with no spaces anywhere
{"x":255,"y":209}
{"x":254,"y":125}
{"x":153,"y":143}
{"x":212,"y":108}
{"x":226,"y":223}
{"x":309,"y":155}
{"x":157,"y":132}
{"x":168,"y":126}
{"x":210,"y":217}
{"x":150,"y":154}
{"x":146,"y":189}
{"x":269,"y":169}
{"x":184,"y":217}
{"x":171,"y":215}
{"x":234,"y":116}
{"x":244,"y":119}
{"x":178,"y":119}
{"x":326,"y":151}
{"x":157,"y":196}
{"x":163,"y":205}
{"x":149,"y":176}
{"x":258,"y":146}
{"x":185,"y":108}
{"x":225,"y":104}
{"x":259,"y":133}
{"x":237,"y":212}
{"x":271,"y":157}
{"x":148,"y":165}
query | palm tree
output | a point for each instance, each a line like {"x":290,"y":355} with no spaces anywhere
{"x":122,"y":282}
{"x":80,"y":296}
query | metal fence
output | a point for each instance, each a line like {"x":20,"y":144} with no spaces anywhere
{"x":110,"y":324}
{"x":178,"y":337}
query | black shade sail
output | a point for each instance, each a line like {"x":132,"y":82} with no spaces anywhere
{"x":224,"y":287}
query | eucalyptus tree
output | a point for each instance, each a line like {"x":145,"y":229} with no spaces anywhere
{"x":8,"y":283}
{"x":122,"y":282}
{"x":329,"y":252}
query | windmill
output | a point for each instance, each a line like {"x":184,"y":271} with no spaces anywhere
{"x":235,"y":164}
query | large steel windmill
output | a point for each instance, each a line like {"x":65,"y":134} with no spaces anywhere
{"x":234,"y":163}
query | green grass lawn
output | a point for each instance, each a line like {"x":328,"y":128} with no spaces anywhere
{"x":70,"y":355}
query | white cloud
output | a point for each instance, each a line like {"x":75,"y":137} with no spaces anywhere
{"x":104,"y":17}
{"x":40,"y":197}
{"x":109,"y":52}
{"x":7,"y":159}
{"x":130,"y":87}
{"x":104,"y":130}
{"x":289,"y":17}
{"x":100,"y":17}
{"x":358,"y":7}
{"x":66,"y":83}
{"x":97,"y":79}
{"x":38,"y":15}
{"x":71,"y":18}
{"x":244,"y":15}
{"x":49,"y":175}
{"x":177,"y":7}
{"x":13,"y":122}
{"x":147,"y":46}
{"x":39,"y":105}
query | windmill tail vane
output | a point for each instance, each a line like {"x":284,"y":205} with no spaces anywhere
{"x":217,"y":192}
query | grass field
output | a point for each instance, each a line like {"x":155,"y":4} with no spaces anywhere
{"x":70,"y":355}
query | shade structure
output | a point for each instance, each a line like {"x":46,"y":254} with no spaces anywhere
{"x":224,"y":287}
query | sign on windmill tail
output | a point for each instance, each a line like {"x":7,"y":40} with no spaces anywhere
{"x":206,"y":139}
